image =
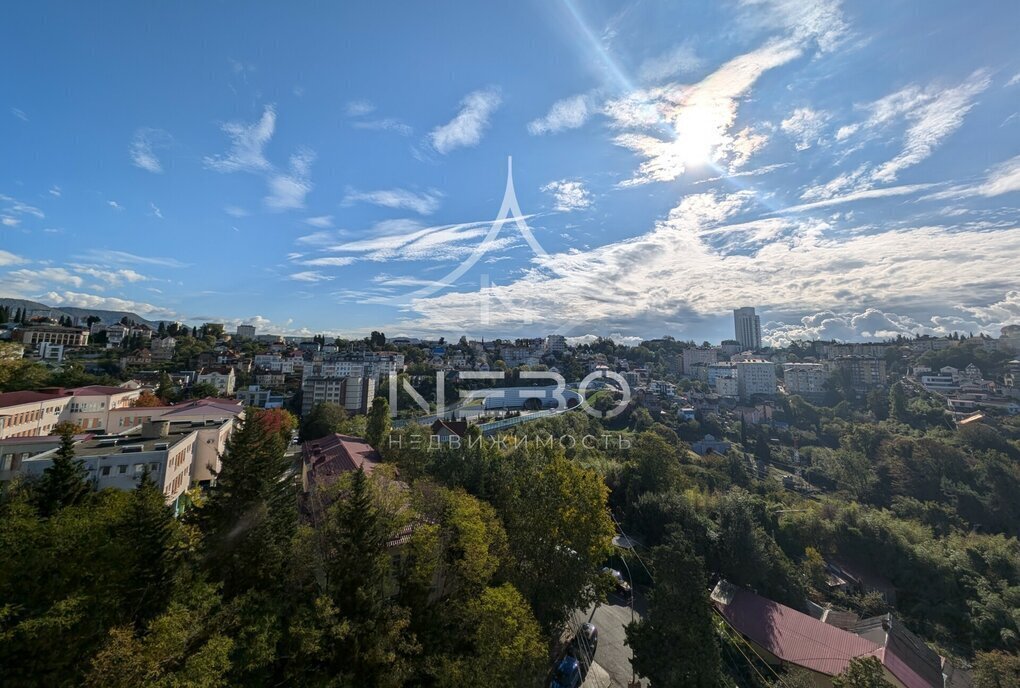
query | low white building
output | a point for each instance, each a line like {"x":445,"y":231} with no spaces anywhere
{"x":223,"y":379}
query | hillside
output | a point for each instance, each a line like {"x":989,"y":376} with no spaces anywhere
{"x":108,"y":317}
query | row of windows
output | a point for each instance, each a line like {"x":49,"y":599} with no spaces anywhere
{"x":122,"y":469}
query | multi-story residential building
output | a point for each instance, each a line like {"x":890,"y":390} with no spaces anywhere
{"x":246,"y":332}
{"x":863,"y":373}
{"x":223,"y":379}
{"x":805,"y":379}
{"x":756,"y":377}
{"x":717,"y":370}
{"x":162,"y":349}
{"x":254,"y":395}
{"x":747,"y":328}
{"x":555,"y":343}
{"x":67,"y":336}
{"x":693,"y":356}
{"x":354,"y":393}
{"x":374,"y":364}
{"x":730,"y":347}
{"x":270,"y":379}
{"x":838,"y":349}
{"x":727,"y":386}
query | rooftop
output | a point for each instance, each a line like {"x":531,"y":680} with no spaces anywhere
{"x":18,"y":398}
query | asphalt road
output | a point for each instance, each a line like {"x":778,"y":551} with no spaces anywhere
{"x":611,"y":668}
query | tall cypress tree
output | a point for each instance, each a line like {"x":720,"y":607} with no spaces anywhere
{"x":251,"y":512}
{"x":674,"y":644}
{"x":63,"y":483}
{"x":149,"y":527}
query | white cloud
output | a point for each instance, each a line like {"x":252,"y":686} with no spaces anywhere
{"x":805,"y":126}
{"x":321,"y":221}
{"x":15,"y":207}
{"x":466,"y":129}
{"x":865,"y":194}
{"x":115,"y":205}
{"x":156,"y":211}
{"x":8,"y":221}
{"x":80,"y":300}
{"x":20,"y":114}
{"x":45,"y":276}
{"x":8,"y":258}
{"x":114,"y":277}
{"x":384,"y":124}
{"x":234,"y":211}
{"x":679,"y":60}
{"x":144,"y":146}
{"x":288,"y":191}
{"x":359,"y":108}
{"x":675,"y":126}
{"x":424,"y":203}
{"x":55,"y":191}
{"x":684,"y":270}
{"x":569,"y":113}
{"x":310,"y":276}
{"x":1014,"y":80}
{"x":569,"y":194}
{"x":131,"y":258}
{"x":329,"y":261}
{"x":819,"y":21}
{"x":247,"y":144}
{"x":1003,"y":178}
{"x":932,"y":123}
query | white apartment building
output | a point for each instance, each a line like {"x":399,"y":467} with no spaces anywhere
{"x":556,"y":343}
{"x":246,"y":332}
{"x":756,"y":377}
{"x":90,"y":406}
{"x":806,"y":379}
{"x":354,"y":393}
{"x":727,"y":386}
{"x":693,"y":356}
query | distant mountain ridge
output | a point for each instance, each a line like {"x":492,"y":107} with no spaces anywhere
{"x":108,"y":317}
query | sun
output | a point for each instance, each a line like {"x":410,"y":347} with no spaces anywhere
{"x":697,"y":135}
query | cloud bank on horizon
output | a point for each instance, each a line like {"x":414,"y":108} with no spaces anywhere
{"x":826,"y":162}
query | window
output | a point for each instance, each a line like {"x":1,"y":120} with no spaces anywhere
{"x":122,"y":469}
{"x":105,"y":471}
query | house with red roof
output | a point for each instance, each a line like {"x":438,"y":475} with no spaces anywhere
{"x":785,"y":637}
{"x":324,"y":460}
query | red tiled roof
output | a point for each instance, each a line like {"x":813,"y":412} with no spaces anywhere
{"x":332,"y":456}
{"x":18,"y":398}
{"x":790,"y":635}
{"x":97,"y":390}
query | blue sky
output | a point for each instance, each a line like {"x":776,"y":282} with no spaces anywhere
{"x":851,"y":169}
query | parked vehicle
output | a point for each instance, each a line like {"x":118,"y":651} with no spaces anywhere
{"x":623,"y":588}
{"x":567,"y":674}
{"x":585,"y":643}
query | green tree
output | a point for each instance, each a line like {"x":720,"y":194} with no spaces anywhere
{"x":201,"y":390}
{"x":503,"y":646}
{"x":674,"y":644}
{"x":325,"y":418}
{"x":185,"y":646}
{"x":378,"y":428}
{"x":63,"y":483}
{"x":862,"y":673}
{"x":250,"y":514}
{"x":150,"y":527}
{"x":996,"y":670}
{"x":898,"y":403}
